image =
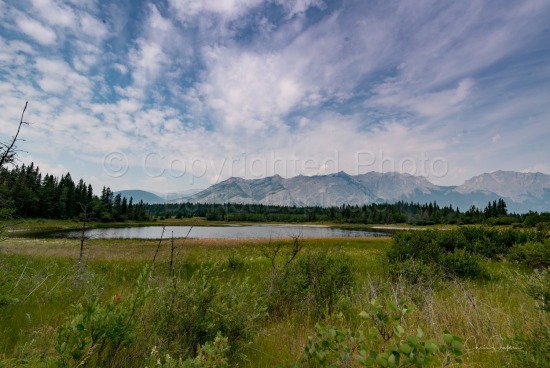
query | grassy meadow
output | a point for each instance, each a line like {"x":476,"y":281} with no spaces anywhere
{"x":245,"y":303}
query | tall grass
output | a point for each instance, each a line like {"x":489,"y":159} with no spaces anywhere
{"x":222,"y":286}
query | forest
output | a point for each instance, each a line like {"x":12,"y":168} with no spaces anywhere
{"x":374,"y":213}
{"x":27,"y":193}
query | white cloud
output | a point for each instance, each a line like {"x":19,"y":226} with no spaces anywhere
{"x":250,"y":91}
{"x":92,"y":27}
{"x":54,"y":13}
{"x":36,"y":30}
{"x":227,"y":9}
{"x":159,"y":47}
{"x":218,"y":81}
{"x":147,"y":61}
{"x":298,"y":7}
{"x":58,"y":77}
{"x":432,"y":104}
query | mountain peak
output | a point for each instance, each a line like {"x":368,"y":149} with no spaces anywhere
{"x":514,"y":185}
{"x":521,"y":191}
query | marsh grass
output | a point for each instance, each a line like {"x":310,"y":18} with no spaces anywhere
{"x":37,"y":283}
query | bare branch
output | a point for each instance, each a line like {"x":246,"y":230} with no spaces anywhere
{"x":296,"y":248}
{"x":158,"y":246}
{"x":85,"y":219}
{"x":10,"y":151}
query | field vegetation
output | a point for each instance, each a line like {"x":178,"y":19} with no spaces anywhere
{"x":469,"y":296}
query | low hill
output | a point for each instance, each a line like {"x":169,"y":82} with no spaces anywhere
{"x":140,"y":195}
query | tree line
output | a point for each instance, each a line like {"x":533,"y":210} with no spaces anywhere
{"x":375,"y":213}
{"x":26,"y":193}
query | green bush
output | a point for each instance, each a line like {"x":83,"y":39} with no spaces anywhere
{"x":531,"y":254}
{"x":415,"y":245}
{"x":99,"y":331}
{"x":420,"y":254}
{"x":460,"y":252}
{"x":190,"y":313}
{"x":210,"y":355}
{"x":533,"y":349}
{"x":463,"y":264}
{"x":415,"y":271}
{"x":501,"y":220}
{"x":533,"y":346}
{"x":537,"y":286}
{"x":234,"y":262}
{"x":384,"y":344}
{"x":314,"y":282}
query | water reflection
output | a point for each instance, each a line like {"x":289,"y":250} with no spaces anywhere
{"x":224,"y":232}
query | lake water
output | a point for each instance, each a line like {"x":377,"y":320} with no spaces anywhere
{"x":224,"y":232}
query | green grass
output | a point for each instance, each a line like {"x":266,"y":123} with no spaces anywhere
{"x":37,"y":279}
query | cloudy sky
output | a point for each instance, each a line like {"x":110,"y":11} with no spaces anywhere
{"x":179,"y":94}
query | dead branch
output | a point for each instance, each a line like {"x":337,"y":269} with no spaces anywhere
{"x":10,"y":150}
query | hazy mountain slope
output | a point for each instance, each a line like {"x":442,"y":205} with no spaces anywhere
{"x":327,"y":190}
{"x":140,"y":195}
{"x":522,"y":191}
{"x":392,"y":186}
{"x":510,"y":184}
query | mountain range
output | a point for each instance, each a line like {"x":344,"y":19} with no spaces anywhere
{"x":140,"y":195}
{"x":154,"y":197}
{"x":521,"y":191}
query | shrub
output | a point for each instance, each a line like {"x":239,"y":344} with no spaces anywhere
{"x":384,"y":344}
{"x":534,"y":346}
{"x":415,"y":245}
{"x":416,"y":272}
{"x":210,"y":355}
{"x":501,"y":220}
{"x":537,"y":286}
{"x":191,"y":313}
{"x":464,"y":264}
{"x":531,"y":254}
{"x":457,"y":252}
{"x":314,"y":282}
{"x":234,"y":262}
{"x":99,"y":331}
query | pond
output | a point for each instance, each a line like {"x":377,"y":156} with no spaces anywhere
{"x":223,"y":232}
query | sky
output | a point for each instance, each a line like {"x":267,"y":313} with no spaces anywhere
{"x":170,"y":96}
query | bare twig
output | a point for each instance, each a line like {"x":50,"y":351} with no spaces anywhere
{"x":183,"y":242}
{"x":172,"y":256}
{"x":20,"y":276}
{"x":8,"y":154}
{"x":273,"y":252}
{"x":83,"y":238}
{"x":37,"y":286}
{"x":158,"y":246}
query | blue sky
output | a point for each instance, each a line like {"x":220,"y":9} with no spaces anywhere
{"x":173,"y":95}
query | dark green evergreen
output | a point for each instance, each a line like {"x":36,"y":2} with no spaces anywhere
{"x":28,"y":194}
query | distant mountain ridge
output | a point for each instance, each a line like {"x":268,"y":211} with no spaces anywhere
{"x":521,"y":191}
{"x":140,"y":195}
